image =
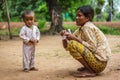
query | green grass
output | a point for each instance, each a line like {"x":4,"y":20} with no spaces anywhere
{"x":108,"y":30}
{"x":3,"y":32}
{"x":14,"y":32}
{"x":104,"y":29}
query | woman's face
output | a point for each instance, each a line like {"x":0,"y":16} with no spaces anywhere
{"x":80,"y":18}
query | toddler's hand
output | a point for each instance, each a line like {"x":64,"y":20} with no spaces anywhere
{"x":36,"y":41}
{"x":32,"y":40}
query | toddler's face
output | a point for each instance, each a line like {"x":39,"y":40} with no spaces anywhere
{"x":29,"y":19}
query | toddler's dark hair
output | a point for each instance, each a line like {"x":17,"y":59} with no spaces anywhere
{"x":87,"y":11}
{"x":27,"y":12}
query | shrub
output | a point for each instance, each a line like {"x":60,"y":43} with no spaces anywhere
{"x":72,"y":27}
{"x":41,"y":24}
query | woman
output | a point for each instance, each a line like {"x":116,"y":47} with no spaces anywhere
{"x":87,"y":44}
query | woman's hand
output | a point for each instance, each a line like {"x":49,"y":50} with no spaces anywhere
{"x":70,"y":36}
{"x":62,"y":33}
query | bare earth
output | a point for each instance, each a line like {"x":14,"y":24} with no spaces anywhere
{"x":53,"y":62}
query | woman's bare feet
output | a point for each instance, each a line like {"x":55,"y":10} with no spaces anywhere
{"x":84,"y":73}
{"x":81,"y":69}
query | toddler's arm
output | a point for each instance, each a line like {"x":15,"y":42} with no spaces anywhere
{"x":37,"y":35}
{"x":23,"y":36}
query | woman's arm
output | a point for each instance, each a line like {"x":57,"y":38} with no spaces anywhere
{"x":73,"y":37}
{"x":64,"y":39}
{"x":66,"y":36}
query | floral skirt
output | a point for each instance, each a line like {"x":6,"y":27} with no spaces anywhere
{"x":78,"y":51}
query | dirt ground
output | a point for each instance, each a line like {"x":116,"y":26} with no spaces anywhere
{"x":53,"y":62}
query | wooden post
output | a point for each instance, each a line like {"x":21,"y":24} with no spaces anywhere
{"x":8,"y":17}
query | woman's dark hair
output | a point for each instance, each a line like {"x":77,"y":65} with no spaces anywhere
{"x":87,"y":11}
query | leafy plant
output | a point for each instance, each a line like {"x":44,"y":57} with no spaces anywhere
{"x":41,"y":24}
